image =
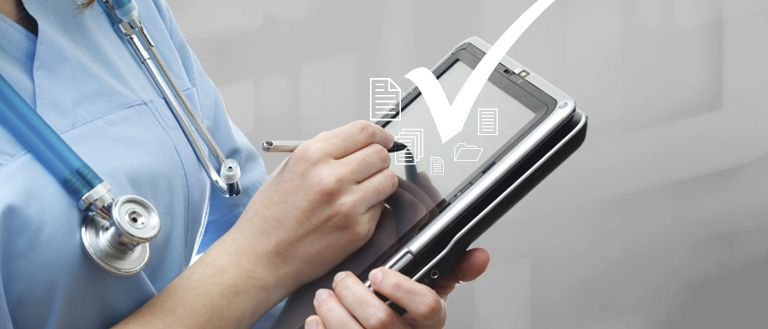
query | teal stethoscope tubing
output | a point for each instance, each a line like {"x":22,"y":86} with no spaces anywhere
{"x":32,"y":132}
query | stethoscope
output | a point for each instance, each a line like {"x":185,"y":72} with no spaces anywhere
{"x":115,"y":231}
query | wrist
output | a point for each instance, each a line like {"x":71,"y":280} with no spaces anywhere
{"x":262,"y":257}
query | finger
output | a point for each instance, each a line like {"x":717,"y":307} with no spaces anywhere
{"x":332,"y":312}
{"x":425,"y":183}
{"x":407,"y":209}
{"x":314,"y":322}
{"x":369,"y":221}
{"x":383,"y":235}
{"x":376,"y":188}
{"x":416,"y":192}
{"x":423,"y":305}
{"x":364,"y":163}
{"x":363,"y":304}
{"x":346,"y":140}
{"x":471,"y":266}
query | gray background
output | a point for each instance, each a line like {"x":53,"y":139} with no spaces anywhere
{"x":658,"y":221}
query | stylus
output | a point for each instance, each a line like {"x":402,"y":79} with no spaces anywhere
{"x":289,"y":146}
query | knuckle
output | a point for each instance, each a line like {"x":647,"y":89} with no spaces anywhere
{"x":362,"y":232}
{"x":366,"y":130}
{"x":343,"y":287}
{"x":391,"y":181}
{"x":321,"y":135}
{"x":325,"y":306}
{"x":306,"y":154}
{"x":430,"y":307}
{"x":390,"y":282}
{"x":345,"y":208}
{"x":381,"y":155}
{"x":334,"y":181}
{"x":419,"y":209}
{"x":328,"y":184}
{"x":380,"y":319}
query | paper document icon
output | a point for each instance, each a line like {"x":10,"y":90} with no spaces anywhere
{"x":436,"y":166}
{"x":487,"y":122}
{"x":464,"y":152}
{"x":385,"y":100}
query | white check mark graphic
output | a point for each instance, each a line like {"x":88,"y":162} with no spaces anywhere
{"x":450,"y":118}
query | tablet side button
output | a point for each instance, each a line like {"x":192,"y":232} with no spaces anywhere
{"x":404,"y":260}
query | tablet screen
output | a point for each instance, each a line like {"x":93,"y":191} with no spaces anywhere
{"x":495,"y":118}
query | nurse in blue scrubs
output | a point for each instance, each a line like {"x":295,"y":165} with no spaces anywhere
{"x":322,"y":204}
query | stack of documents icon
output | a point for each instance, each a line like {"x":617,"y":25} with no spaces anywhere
{"x":385,"y":100}
{"x":464,"y":152}
{"x":404,"y":158}
{"x":487,"y":122}
{"x":414,"y":139}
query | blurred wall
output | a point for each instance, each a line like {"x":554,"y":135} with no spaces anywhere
{"x":660,"y":220}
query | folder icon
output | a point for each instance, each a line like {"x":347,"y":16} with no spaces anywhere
{"x":464,"y":152}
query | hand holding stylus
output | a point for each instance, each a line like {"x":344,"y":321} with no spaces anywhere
{"x":330,"y":194}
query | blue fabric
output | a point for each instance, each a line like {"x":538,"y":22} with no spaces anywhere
{"x":84,"y":81}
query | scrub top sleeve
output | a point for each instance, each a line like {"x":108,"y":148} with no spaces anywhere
{"x":223,"y":211}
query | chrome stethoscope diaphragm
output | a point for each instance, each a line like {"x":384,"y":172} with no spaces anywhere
{"x":116,"y":232}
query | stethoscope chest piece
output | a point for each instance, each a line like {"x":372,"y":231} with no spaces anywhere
{"x":118,"y":239}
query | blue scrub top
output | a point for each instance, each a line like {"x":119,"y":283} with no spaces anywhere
{"x":86,"y":83}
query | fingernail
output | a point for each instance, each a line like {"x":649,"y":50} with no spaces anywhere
{"x":311,"y":323}
{"x":375,"y":276}
{"x":339,"y":276}
{"x":322,"y":294}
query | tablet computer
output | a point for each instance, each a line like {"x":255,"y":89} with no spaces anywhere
{"x":520,"y":129}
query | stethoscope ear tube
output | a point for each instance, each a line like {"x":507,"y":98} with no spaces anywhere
{"x":32,"y":132}
{"x":115,"y":232}
{"x":130,"y":27}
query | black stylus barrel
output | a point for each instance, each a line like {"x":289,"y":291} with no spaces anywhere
{"x":290,"y":146}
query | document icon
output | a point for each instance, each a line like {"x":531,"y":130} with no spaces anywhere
{"x":385,"y":100}
{"x":464,"y":152}
{"x":487,"y":122}
{"x":414,"y":139}
{"x":436,"y":166}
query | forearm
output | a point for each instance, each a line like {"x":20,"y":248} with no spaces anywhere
{"x":233,"y":284}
